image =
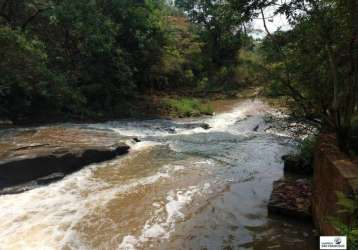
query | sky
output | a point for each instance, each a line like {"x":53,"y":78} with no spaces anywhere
{"x":277,"y":22}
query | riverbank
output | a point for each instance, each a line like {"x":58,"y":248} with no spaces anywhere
{"x":151,"y":106}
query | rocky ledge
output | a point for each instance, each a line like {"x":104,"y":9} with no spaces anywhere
{"x":291,"y":198}
{"x":38,"y":157}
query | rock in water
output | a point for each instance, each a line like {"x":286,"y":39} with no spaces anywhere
{"x":291,"y":198}
{"x":35,"y":164}
{"x":194,"y":125}
{"x":136,"y":139}
{"x":205,"y":126}
{"x":50,"y":178}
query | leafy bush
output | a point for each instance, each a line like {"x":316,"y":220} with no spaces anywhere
{"x":274,"y":89}
{"x":27,"y":85}
{"x":349,"y":206}
{"x":186,"y":107}
{"x":307,"y":147}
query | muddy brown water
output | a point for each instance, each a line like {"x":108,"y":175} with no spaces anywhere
{"x":177,"y":189}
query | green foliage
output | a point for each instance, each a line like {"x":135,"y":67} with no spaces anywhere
{"x":307,"y":148}
{"x":181,"y":65}
{"x":316,"y":62}
{"x":27,"y":84}
{"x":248,"y":70}
{"x":88,"y":58}
{"x":186,"y":107}
{"x":349,"y":207}
{"x":221,"y":25}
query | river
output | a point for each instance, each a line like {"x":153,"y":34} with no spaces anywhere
{"x":178,"y":188}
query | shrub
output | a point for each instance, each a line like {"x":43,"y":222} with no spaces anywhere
{"x":307,"y":147}
{"x":349,"y":206}
{"x":186,"y":107}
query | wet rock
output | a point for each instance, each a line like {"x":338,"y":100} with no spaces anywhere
{"x":38,"y":164}
{"x":205,"y":126}
{"x":42,"y":157}
{"x":18,"y":188}
{"x":32,"y":184}
{"x":136,"y":139}
{"x":195,"y":125}
{"x":50,"y":178}
{"x":296,"y":165}
{"x":171,"y":130}
{"x":291,"y":198}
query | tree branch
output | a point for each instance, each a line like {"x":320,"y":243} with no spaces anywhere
{"x":32,"y":17}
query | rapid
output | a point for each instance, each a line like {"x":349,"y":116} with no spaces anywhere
{"x":180,"y":187}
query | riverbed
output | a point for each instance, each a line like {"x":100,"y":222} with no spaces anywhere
{"x":178,"y":188}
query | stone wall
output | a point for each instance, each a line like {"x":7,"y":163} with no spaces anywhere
{"x":333,"y":171}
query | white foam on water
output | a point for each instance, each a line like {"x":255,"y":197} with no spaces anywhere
{"x":128,"y":243}
{"x":191,"y":131}
{"x":138,"y":146}
{"x":47,"y":217}
{"x":205,"y":162}
{"x":222,"y":121}
{"x":162,"y":128}
{"x":44,"y":217}
{"x":161,"y":227}
{"x":140,"y":132}
{"x":139,"y":129}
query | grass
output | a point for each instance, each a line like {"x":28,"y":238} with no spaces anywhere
{"x":187,"y":107}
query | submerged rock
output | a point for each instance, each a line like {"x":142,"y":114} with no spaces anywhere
{"x":291,"y":198}
{"x":25,"y":165}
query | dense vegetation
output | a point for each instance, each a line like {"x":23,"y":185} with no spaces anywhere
{"x":91,"y":58}
{"x":82,"y":59}
{"x":316,"y":62}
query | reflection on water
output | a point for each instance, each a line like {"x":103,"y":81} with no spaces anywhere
{"x":182,"y":187}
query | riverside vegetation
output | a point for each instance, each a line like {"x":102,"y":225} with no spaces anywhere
{"x":102,"y":59}
{"x":95,"y":59}
{"x":106,"y":59}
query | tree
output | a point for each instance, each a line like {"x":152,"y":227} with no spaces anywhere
{"x":319,"y":61}
{"x":222,"y":27}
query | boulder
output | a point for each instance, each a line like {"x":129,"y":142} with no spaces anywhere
{"x":39,"y":158}
{"x":291,"y":198}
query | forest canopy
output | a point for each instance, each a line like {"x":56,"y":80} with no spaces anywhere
{"x":88,"y":58}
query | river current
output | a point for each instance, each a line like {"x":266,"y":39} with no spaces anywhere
{"x":178,"y":188}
